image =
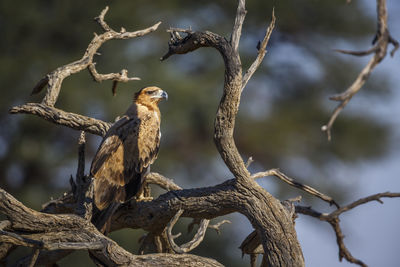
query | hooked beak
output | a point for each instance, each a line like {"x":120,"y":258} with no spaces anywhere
{"x":160,"y":94}
{"x":164,"y":95}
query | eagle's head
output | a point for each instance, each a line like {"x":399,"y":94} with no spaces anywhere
{"x":150,"y":95}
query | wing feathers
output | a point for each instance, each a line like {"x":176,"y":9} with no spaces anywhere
{"x":126,"y":152}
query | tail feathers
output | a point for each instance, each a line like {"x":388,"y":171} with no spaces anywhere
{"x":102,"y":218}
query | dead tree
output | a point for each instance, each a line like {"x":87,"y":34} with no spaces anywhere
{"x":64,"y":225}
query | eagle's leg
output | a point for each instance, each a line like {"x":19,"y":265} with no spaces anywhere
{"x":144,"y":193}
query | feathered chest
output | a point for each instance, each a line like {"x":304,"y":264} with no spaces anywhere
{"x":131,"y":144}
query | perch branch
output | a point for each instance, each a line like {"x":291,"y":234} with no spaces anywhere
{"x":54,"y":232}
{"x":382,"y":39}
{"x":333,"y":219}
{"x":67,"y":202}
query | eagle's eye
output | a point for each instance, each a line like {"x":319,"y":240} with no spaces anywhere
{"x":150,"y":92}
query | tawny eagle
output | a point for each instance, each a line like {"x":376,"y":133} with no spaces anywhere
{"x":128,"y":149}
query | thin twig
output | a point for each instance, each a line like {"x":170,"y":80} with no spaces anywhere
{"x":382,"y":39}
{"x":358,"y":53}
{"x":277,"y":173}
{"x":100,"y":20}
{"x":115,"y":77}
{"x":237,"y":27}
{"x":261,"y":52}
{"x":172,"y":29}
{"x":375,"y":197}
{"x":250,"y":160}
{"x":162,"y":181}
{"x":217,"y":226}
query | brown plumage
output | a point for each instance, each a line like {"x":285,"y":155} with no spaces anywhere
{"x":126,"y":153}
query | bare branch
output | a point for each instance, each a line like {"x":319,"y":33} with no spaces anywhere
{"x":333,"y":219}
{"x":357,"y":53}
{"x":173,"y":30}
{"x":383,"y":39}
{"x":277,"y":173}
{"x":100,"y":20}
{"x":217,"y":226}
{"x":375,"y":197}
{"x":261,"y":52}
{"x":58,"y":116}
{"x":66,"y":232}
{"x":115,"y":77}
{"x":62,"y":205}
{"x":55,"y":79}
{"x":199,"y":236}
{"x":395,"y":44}
{"x":201,"y":203}
{"x":250,"y":160}
{"x":274,"y":216}
{"x":237,"y":27}
{"x":162,"y":181}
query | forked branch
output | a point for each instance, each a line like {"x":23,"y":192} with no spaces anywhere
{"x":262,"y":50}
{"x":286,"y":249}
{"x":55,"y":79}
{"x":185,"y":248}
{"x":272,"y":221}
{"x":66,"y":232}
{"x":333,"y":219}
{"x":382,"y":40}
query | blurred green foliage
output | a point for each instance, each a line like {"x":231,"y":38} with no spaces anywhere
{"x":282,"y":110}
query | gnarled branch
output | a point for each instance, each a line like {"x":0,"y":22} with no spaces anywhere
{"x":66,"y":232}
{"x":58,"y":116}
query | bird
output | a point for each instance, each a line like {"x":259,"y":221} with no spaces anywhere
{"x":125,"y":154}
